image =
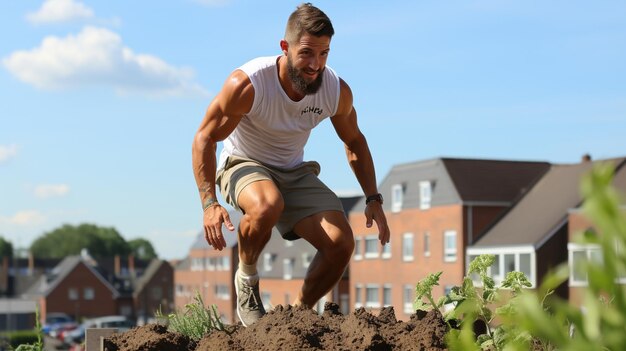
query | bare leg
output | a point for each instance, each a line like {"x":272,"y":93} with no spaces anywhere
{"x":262,"y":204}
{"x":330,"y":233}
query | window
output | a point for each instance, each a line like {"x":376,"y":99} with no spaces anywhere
{"x":358,"y":298}
{"x":268,"y":261}
{"x":210,"y":263}
{"x":372,"y":298}
{"x":371,"y":246}
{"x":449,"y":246}
{"x":222,"y":292}
{"x":579,"y":257}
{"x":89,"y":293}
{"x":396,"y":198}
{"x":387,"y":250}
{"x":387,"y":295}
{"x":426,"y":244}
{"x":307,"y":257}
{"x":72,"y":294}
{"x":358,"y":249}
{"x":197,"y":264}
{"x":407,"y":297}
{"x":520,"y":259}
{"x":288,"y":264}
{"x":407,"y":247}
{"x":425,"y":195}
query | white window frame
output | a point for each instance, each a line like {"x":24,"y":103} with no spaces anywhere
{"x":587,"y":249}
{"x":288,"y":266}
{"x":397,"y":195}
{"x":222,"y":292}
{"x":358,"y":248}
{"x":407,"y":298}
{"x":358,"y":295}
{"x":370,"y":239}
{"x":72,"y":294}
{"x":501,"y":251}
{"x":406,"y":256}
{"x":426,"y":193}
{"x":426,"y":244}
{"x":268,"y":261}
{"x":386,"y":251}
{"x":89,"y":293}
{"x":387,"y":290}
{"x":450,"y":254}
{"x":374,"y":303}
{"x":307,"y":257}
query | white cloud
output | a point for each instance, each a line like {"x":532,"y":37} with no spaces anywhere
{"x":23,"y":218}
{"x":55,"y":11}
{"x":7,"y":151}
{"x":97,"y":57}
{"x":51,"y":190}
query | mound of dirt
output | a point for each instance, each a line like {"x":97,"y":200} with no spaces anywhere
{"x":298,"y":328}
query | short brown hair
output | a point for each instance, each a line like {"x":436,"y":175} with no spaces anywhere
{"x":308,"y":19}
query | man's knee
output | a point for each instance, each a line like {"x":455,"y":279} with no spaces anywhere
{"x":264,"y":214}
{"x":343,"y":247}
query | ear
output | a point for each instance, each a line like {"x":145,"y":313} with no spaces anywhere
{"x":284,"y":46}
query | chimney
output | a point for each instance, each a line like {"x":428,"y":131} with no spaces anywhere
{"x":4,"y":275}
{"x":585,"y":158}
{"x":131,"y":265}
{"x":31,"y":263}
{"x":116,"y":265}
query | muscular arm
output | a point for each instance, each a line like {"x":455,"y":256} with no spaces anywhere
{"x":359,"y":158}
{"x":222,"y":116}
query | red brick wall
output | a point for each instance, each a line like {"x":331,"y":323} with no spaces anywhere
{"x":80,"y":278}
{"x":398,"y":273}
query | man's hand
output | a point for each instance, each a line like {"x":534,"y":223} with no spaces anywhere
{"x":213,"y":218}
{"x":374,"y":212}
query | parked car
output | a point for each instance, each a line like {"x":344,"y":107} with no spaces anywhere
{"x":77,"y":336}
{"x":57,"y":321}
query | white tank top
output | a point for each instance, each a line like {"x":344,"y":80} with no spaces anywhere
{"x":277,"y":128}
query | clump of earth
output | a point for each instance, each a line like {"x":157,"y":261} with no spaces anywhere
{"x":299,"y":328}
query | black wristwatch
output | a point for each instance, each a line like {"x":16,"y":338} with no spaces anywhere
{"x":376,"y":197}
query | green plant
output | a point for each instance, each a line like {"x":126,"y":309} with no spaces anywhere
{"x":599,"y":322}
{"x":424,"y":289}
{"x":195,"y":320}
{"x":38,"y":345}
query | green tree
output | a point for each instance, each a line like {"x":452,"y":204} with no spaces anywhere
{"x":142,"y":249}
{"x":70,"y":240}
{"x":6,"y":248}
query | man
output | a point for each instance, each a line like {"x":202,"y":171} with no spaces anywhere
{"x":264,"y":114}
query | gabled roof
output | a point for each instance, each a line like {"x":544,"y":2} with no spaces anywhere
{"x":492,"y":180}
{"x":46,"y":284}
{"x":461,"y":181}
{"x":148,"y":274}
{"x":542,"y":211}
{"x":200,"y":242}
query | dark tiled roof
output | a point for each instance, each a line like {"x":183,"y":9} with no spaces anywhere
{"x":542,"y":211}
{"x":456,"y":181}
{"x":491,"y":180}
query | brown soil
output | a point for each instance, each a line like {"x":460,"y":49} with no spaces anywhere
{"x":296,"y":328}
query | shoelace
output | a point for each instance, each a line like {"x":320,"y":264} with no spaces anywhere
{"x":251,"y":299}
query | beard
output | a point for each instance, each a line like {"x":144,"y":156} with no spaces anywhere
{"x":299,"y":83}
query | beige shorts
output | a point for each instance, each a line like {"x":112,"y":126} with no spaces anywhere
{"x":303,"y":192}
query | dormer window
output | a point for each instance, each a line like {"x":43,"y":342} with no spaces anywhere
{"x":396,"y":197}
{"x":425,"y":194}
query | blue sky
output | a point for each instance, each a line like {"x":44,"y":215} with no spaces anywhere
{"x":100,"y":99}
